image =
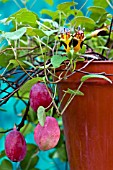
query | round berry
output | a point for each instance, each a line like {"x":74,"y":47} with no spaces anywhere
{"x":39,"y":96}
{"x":15,"y":146}
{"x":47,"y":136}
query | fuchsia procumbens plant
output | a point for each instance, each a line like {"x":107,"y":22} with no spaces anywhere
{"x":47,"y":136}
{"x":15,"y":146}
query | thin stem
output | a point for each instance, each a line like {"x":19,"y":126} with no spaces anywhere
{"x":70,"y":99}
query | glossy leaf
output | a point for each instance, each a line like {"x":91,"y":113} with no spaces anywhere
{"x":15,"y":35}
{"x":41,"y":115}
{"x":84,"y":78}
{"x":56,"y":60}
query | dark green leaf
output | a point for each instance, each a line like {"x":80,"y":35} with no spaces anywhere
{"x":59,"y":153}
{"x":5,"y":58}
{"x":84,"y":78}
{"x":32,"y":115}
{"x":31,"y":147}
{"x":2,"y":154}
{"x":27,"y":86}
{"x":6,"y":165}
{"x":15,"y":35}
{"x":30,"y":160}
{"x":56,"y":60}
{"x":41,"y":115}
{"x":75,"y":92}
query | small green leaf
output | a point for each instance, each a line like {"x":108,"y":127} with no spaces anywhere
{"x":56,"y":60}
{"x":84,"y":78}
{"x":50,"y":2}
{"x":15,"y":35}
{"x":75,"y":92}
{"x":41,"y":115}
{"x":27,"y":86}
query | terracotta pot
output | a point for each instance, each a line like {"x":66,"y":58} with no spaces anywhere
{"x":88,"y":121}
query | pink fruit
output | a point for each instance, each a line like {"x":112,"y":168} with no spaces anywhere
{"x":47,"y":136}
{"x":15,"y":146}
{"x":39,"y":96}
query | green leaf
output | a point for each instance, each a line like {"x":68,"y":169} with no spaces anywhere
{"x":50,"y":2}
{"x":16,"y":63}
{"x":2,"y":109}
{"x":41,"y":115}
{"x":77,"y":92}
{"x":65,"y":5}
{"x":25,"y":16}
{"x":27,"y":129}
{"x":53,"y":14}
{"x":34,"y":31}
{"x":102,"y":19}
{"x":2,"y":154}
{"x":1,"y":134}
{"x":6,"y":165}
{"x":59,"y":153}
{"x":31,"y":159}
{"x":15,"y":35}
{"x":27,"y":86}
{"x":101,"y":3}
{"x":31,"y":147}
{"x":84,"y":78}
{"x":5,"y":58}
{"x":97,"y":9}
{"x":56,"y":60}
{"x":85,"y":22}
